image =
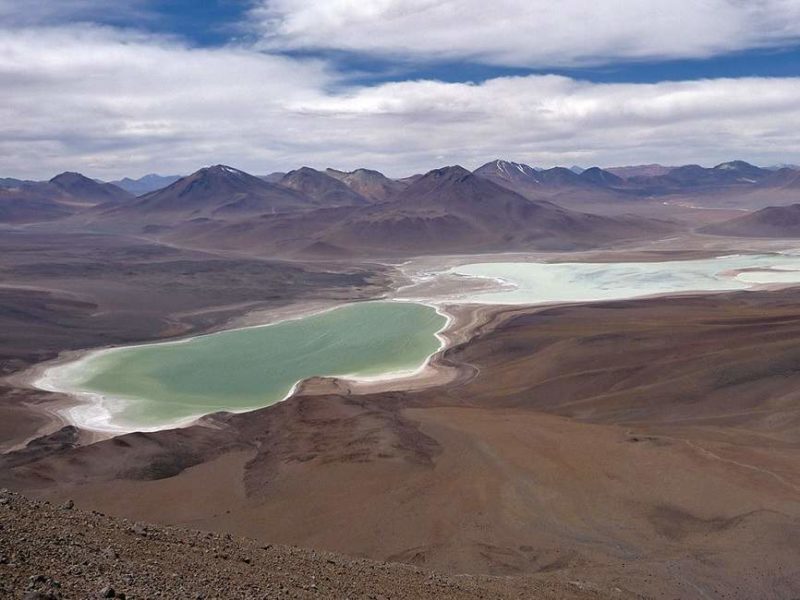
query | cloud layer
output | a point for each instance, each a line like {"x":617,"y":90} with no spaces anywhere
{"x":530,"y":33}
{"x":112,"y":103}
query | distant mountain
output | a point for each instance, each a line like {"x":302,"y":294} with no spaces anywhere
{"x":593,"y":190}
{"x":410,"y":179}
{"x":561,"y":177}
{"x":576,"y":169}
{"x":785,"y":178}
{"x":601,"y":177}
{"x":695,"y":177}
{"x":453,"y":210}
{"x":273,"y":177}
{"x":653,"y":170}
{"x":620,"y":182}
{"x":742,"y":171}
{"x":213,"y":192}
{"x":321,"y":188}
{"x":503,"y":171}
{"x":370,"y":184}
{"x":524,"y":178}
{"x":146,"y":184}
{"x":770,"y":222}
{"x":10,"y":182}
{"x":445,"y":210}
{"x":81,"y":188}
{"x":62,"y":196}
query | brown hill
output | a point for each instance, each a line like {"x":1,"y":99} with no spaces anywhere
{"x":601,"y":177}
{"x":770,"y":222}
{"x":62,"y":196}
{"x":370,"y":184}
{"x":504,"y":172}
{"x":217,"y":192}
{"x":322,"y":189}
{"x":81,"y":188}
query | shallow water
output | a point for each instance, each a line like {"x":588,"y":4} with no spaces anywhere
{"x":166,"y":384}
{"x":539,"y":283}
{"x":150,"y":386}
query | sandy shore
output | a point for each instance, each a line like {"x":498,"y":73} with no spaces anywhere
{"x":52,"y":406}
{"x":462,"y":322}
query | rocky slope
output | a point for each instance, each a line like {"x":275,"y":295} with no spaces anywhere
{"x":54,"y":552}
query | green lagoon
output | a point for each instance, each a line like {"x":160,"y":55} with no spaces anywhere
{"x":156,"y":385}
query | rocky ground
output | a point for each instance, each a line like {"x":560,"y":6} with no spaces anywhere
{"x":53,"y":552}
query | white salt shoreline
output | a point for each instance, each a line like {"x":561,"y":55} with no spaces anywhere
{"x":92,"y":411}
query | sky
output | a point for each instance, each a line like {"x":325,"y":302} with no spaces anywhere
{"x":403,"y":86}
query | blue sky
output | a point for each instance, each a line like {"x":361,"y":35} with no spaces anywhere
{"x":399,"y":85}
{"x":220,"y":22}
{"x":205,"y":22}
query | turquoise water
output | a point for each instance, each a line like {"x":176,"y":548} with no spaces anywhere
{"x":151,"y":386}
{"x":539,"y":283}
{"x":159,"y":385}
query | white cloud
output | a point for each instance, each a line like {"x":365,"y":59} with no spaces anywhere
{"x":110,"y":103}
{"x":532,"y":33}
{"x":556,"y":120}
{"x":104,"y":100}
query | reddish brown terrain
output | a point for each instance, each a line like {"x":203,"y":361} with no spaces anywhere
{"x":646,"y":445}
{"x":52,"y":552}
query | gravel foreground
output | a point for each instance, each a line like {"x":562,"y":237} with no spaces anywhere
{"x":55,"y":552}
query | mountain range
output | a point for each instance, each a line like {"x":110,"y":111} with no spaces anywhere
{"x":146,"y":184}
{"x":502,"y":205}
{"x":211,"y":192}
{"x":61,"y":196}
{"x":311,"y":213}
{"x":646,"y":180}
